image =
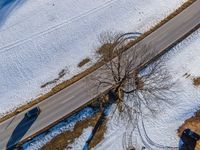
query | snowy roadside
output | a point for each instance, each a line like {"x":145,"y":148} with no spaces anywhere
{"x":68,"y":124}
{"x":41,"y":38}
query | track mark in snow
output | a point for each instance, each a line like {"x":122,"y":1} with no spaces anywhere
{"x":76,"y":18}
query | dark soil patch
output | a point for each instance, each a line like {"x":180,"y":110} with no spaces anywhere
{"x":99,"y":135}
{"x":196,"y":81}
{"x":83,"y":62}
{"x":60,"y":75}
{"x":63,"y":140}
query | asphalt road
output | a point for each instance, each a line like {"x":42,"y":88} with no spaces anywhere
{"x":63,"y":103}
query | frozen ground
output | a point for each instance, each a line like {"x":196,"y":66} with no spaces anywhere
{"x":184,"y":58}
{"x":39,"y":38}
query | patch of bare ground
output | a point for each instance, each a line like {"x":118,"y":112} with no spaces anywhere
{"x":103,"y":50}
{"x":99,"y":135}
{"x":64,"y":140}
{"x":77,"y":77}
{"x":84,"y":62}
{"x":196,"y":81}
{"x":192,"y":123}
{"x":60,"y":75}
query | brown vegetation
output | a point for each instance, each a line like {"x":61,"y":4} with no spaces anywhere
{"x":63,"y":140}
{"x":104,"y":48}
{"x":196,"y":81}
{"x":83,"y":62}
{"x":99,"y":135}
{"x":193,"y":124}
{"x":60,"y":75}
{"x":67,"y":83}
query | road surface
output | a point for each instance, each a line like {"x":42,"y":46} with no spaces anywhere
{"x":18,"y":128}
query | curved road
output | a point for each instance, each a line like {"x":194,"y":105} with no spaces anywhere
{"x":18,"y":128}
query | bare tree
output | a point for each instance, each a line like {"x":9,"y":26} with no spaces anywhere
{"x":140,"y":89}
{"x":135,"y":86}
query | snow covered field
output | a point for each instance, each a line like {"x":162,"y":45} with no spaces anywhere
{"x":39,"y":38}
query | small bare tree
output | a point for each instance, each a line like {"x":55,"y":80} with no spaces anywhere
{"x":139,"y":88}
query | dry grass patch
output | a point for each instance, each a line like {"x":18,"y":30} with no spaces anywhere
{"x":63,"y":140}
{"x":196,"y":81}
{"x":60,"y":75}
{"x":192,"y":123}
{"x":99,"y":135}
{"x":83,"y":62}
{"x":67,"y":83}
{"x":102,"y":50}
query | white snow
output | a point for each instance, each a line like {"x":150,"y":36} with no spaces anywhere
{"x":184,"y":58}
{"x":39,"y":38}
